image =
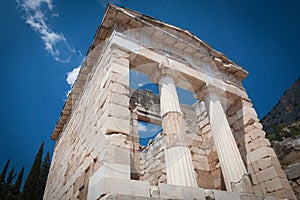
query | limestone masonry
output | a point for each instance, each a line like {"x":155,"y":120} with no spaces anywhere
{"x":213,"y":149}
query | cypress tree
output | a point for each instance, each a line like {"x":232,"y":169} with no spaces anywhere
{"x":3,"y":181}
{"x":11,"y":176}
{"x":8,"y":188}
{"x":17,"y":186}
{"x":15,"y":192}
{"x":32,"y":184}
{"x":3,"y":173}
{"x":44,"y":174}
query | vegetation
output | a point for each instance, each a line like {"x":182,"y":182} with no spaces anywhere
{"x":284,"y":131}
{"x":35,"y":182}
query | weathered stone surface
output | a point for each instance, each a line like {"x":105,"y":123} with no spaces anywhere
{"x":118,"y":186}
{"x":223,"y":195}
{"x":110,"y":170}
{"x":168,"y":191}
{"x":293,"y":171}
{"x":288,"y":150}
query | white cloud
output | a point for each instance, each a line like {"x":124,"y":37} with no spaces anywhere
{"x":36,"y":13}
{"x":142,"y":127}
{"x":71,"y":76}
{"x":105,"y":2}
{"x":34,"y":4}
{"x":147,"y":130}
{"x":36,"y":17}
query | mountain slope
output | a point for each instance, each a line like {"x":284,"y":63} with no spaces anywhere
{"x":284,"y":117}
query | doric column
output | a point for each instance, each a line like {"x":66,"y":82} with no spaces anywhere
{"x":179,"y":167}
{"x":232,"y":166}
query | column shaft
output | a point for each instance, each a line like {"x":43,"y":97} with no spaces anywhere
{"x":179,"y":166}
{"x":233,"y":169}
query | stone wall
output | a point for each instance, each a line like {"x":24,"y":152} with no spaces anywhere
{"x":153,"y":161}
{"x":97,"y":131}
{"x":204,"y":154}
{"x":200,"y":142}
{"x":288,"y":152}
{"x":267,"y":177}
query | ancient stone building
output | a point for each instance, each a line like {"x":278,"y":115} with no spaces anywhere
{"x":213,"y":149}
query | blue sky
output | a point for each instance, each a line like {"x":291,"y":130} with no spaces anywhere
{"x":43,"y":40}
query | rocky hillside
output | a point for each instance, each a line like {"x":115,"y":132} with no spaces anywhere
{"x":283,"y":121}
{"x":282,"y":125}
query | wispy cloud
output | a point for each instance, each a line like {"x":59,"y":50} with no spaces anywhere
{"x":105,"y":2}
{"x":35,"y":13}
{"x":147,"y":130}
{"x":142,"y":127}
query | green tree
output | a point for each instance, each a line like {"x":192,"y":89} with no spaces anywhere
{"x":14,"y":193}
{"x":32,"y":184}
{"x":9,"y":186}
{"x":11,"y":176}
{"x":3,"y":173}
{"x":3,"y":181}
{"x":18,"y":183}
{"x":44,"y":174}
{"x":10,"y":191}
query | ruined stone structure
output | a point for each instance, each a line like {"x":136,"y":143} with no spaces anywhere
{"x":213,"y":149}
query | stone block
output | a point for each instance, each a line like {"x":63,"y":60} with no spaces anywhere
{"x":120,"y":78}
{"x":117,"y":139}
{"x":293,"y":171}
{"x":263,"y":188}
{"x":121,"y":59}
{"x":206,"y":128}
{"x":110,"y":170}
{"x":119,"y":88}
{"x":169,"y":191}
{"x":117,"y":155}
{"x":257,"y":143}
{"x":269,"y":197}
{"x":250,"y":197}
{"x":223,"y":195}
{"x":273,"y":185}
{"x":154,"y":192}
{"x":202,"y":162}
{"x":197,"y":150}
{"x":257,"y":190}
{"x":118,"y":186}
{"x":252,"y":135}
{"x":204,"y":122}
{"x":232,"y":119}
{"x":256,"y":125}
{"x":119,"y":99}
{"x":265,"y":163}
{"x":193,"y":193}
{"x":117,"y":125}
{"x":245,"y":110}
{"x":259,"y":154}
{"x":284,"y":194}
{"x":270,"y":173}
{"x":254,"y":178}
{"x":117,"y":68}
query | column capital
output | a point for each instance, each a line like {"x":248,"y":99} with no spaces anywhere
{"x":161,"y":70}
{"x":207,"y":91}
